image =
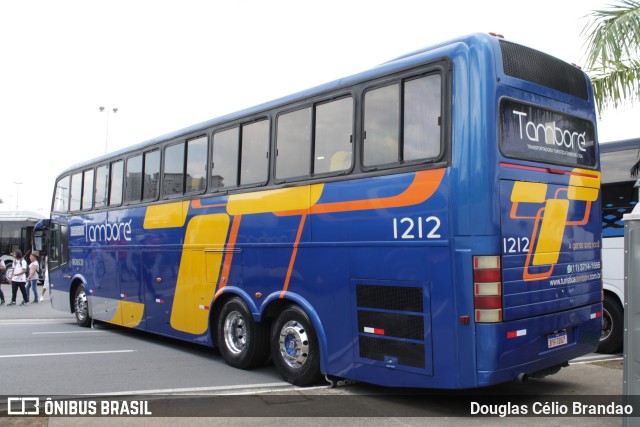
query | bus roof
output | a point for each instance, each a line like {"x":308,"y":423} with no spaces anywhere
{"x":624,"y":144}
{"x":21,"y":216}
{"x":617,"y":158}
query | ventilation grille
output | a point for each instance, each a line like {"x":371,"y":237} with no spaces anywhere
{"x":391,"y":325}
{"x":397,"y":325}
{"x":404,"y":353}
{"x":528,"y":64}
{"x":390,"y":298}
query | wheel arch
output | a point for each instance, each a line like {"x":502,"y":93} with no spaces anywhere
{"x":275,"y":303}
{"x":615,"y":291}
{"x":220,"y":299}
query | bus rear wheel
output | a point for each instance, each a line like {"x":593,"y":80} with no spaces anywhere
{"x":81,"y":307}
{"x":243,"y":343}
{"x":294,"y":347}
{"x":612,"y":325}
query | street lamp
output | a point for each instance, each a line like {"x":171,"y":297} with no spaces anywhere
{"x":106,"y":139}
{"x":18,"y":184}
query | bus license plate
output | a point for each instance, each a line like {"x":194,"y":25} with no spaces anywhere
{"x":556,"y":340}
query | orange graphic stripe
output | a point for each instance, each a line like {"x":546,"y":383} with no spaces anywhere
{"x":424,"y":185}
{"x":293,"y":256}
{"x":226,"y":267}
{"x":197,"y":204}
{"x":585,"y":220}
{"x":514,"y":212}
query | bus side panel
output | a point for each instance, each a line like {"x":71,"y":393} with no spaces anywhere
{"x":159,"y":272}
{"x":377,"y":297}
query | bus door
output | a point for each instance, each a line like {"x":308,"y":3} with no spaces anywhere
{"x":58,"y":254}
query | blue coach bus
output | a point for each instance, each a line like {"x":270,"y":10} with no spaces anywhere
{"x":431,"y":222}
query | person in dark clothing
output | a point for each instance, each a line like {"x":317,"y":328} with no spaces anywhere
{"x":2,"y":271}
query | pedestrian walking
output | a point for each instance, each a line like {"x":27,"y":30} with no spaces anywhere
{"x":32,"y":277}
{"x":3,"y":269}
{"x":18,"y":278}
{"x":45,"y":284}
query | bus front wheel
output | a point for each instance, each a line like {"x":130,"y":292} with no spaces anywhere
{"x":294,"y":347}
{"x":612,"y":325}
{"x":243,"y":343}
{"x":81,"y":307}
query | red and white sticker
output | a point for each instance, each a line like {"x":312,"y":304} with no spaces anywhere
{"x":518,"y":333}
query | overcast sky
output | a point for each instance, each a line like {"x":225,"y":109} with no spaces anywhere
{"x":169,"y":64}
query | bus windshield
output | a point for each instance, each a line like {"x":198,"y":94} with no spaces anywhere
{"x":534,"y":133}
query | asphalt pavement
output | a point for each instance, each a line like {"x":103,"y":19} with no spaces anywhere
{"x":356,"y":404}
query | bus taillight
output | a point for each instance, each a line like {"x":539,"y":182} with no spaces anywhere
{"x":487,"y":284}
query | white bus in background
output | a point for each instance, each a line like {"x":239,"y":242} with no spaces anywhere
{"x":16,"y":231}
{"x":618,"y":198}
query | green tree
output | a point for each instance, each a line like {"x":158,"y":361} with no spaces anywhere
{"x":613,"y":60}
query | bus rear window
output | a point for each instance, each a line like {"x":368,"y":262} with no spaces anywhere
{"x":532,"y":133}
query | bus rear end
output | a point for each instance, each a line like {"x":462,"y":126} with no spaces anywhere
{"x":538,"y":302}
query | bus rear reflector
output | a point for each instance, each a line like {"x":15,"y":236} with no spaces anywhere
{"x":488,"y":316}
{"x":487,"y":284}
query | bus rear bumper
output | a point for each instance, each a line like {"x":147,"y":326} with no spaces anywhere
{"x":534,"y":347}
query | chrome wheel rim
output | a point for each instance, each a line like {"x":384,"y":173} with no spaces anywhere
{"x":81,"y":305}
{"x":294,"y":344}
{"x":235,"y":332}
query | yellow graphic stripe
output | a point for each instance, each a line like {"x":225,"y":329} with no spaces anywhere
{"x":528,"y":192}
{"x":551,"y":232}
{"x":199,"y":271}
{"x":584,"y":178}
{"x":283,"y":199}
{"x":168,"y":215}
{"x":128,"y":314}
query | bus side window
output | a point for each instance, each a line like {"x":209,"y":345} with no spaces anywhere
{"x":87,"y":190}
{"x":422,"y":114}
{"x":76,"y":192}
{"x":417,"y":112}
{"x":224,"y":163}
{"x":151,"y":184}
{"x":255,"y":153}
{"x":102,"y":184}
{"x":382,"y":126}
{"x":173,"y":178}
{"x":196,"y":174}
{"x":293,"y":144}
{"x":333,"y":136}
{"x":117,"y":178}
{"x":133,"y":180}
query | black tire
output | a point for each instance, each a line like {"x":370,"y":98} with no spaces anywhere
{"x":81,"y":307}
{"x":294,"y":348}
{"x":612,"y":326}
{"x":243,"y":343}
